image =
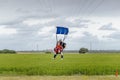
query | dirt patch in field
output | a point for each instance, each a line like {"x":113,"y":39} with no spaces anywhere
{"x":59,"y":78}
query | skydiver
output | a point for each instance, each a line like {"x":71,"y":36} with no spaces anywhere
{"x":59,"y":48}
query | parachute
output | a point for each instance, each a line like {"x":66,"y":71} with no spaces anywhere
{"x":63,"y":31}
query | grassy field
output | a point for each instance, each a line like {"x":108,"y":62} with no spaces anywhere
{"x":73,"y":64}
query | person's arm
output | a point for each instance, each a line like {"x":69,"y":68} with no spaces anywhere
{"x":64,"y":45}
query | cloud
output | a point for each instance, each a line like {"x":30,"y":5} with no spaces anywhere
{"x":115,"y":36}
{"x":107,"y":27}
{"x":7,"y":31}
{"x":31,"y":22}
{"x":47,"y":32}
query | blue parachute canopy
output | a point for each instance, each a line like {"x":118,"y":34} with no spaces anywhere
{"x":62,"y":30}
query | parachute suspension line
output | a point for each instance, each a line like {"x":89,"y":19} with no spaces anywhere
{"x":64,"y":37}
{"x":56,"y":39}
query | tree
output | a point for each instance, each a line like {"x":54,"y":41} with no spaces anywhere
{"x":5,"y":51}
{"x":83,"y":50}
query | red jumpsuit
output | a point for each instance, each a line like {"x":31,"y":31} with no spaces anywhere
{"x":58,"y":49}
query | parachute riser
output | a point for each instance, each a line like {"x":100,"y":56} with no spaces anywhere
{"x":64,"y":37}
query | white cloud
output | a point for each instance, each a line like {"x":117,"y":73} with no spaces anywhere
{"x":93,"y":27}
{"x":46,"y":30}
{"x":107,"y":27}
{"x":31,"y":22}
{"x":7,"y":31}
{"x":75,"y":33}
{"x":72,"y":19}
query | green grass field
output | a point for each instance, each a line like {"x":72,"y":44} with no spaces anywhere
{"x":73,"y":64}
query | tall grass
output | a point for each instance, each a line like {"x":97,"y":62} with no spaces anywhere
{"x":73,"y":64}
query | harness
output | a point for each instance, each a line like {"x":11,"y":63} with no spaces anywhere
{"x":58,"y":49}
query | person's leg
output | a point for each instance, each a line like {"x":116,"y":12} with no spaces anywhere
{"x":55,"y":53}
{"x":61,"y":55}
{"x":55,"y":56}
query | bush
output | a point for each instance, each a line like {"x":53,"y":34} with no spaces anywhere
{"x":1,"y":51}
{"x":7,"y":51}
{"x":48,"y":52}
{"x":83,"y":50}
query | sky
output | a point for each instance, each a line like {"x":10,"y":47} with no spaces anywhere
{"x":31,"y":24}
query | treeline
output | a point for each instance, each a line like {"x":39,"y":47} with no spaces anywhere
{"x":7,"y":51}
